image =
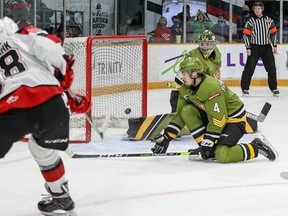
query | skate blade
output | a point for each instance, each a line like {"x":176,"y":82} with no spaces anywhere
{"x":263,"y":139}
{"x":66,"y":213}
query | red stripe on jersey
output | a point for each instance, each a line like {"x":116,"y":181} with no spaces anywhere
{"x":55,"y":174}
{"x":36,"y":30}
{"x":27,"y":97}
{"x":214,"y":96}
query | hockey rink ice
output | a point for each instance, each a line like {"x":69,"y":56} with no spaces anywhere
{"x":160,"y":186}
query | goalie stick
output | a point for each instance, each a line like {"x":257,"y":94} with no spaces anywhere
{"x":89,"y":119}
{"x":264,"y":112}
{"x":125,"y":155}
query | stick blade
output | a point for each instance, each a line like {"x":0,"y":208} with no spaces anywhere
{"x":264,"y":112}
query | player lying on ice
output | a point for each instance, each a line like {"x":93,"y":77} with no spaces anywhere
{"x":33,"y":101}
{"x":216,"y":118}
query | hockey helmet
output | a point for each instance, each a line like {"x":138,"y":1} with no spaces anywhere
{"x":190,"y":65}
{"x":7,"y":28}
{"x":207,"y":43}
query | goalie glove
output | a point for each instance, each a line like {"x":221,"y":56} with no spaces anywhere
{"x":162,"y":143}
{"x":67,"y":79}
{"x":207,"y":149}
{"x":79,"y":105}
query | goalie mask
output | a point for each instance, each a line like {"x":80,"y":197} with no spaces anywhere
{"x":207,"y":43}
{"x":7,"y":28}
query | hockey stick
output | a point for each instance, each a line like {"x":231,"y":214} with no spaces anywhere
{"x":261,"y":117}
{"x":117,"y":155}
{"x":89,"y":119}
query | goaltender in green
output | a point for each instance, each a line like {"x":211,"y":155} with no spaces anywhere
{"x":216,"y":118}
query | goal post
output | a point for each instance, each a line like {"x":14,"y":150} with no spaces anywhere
{"x":112,"y":72}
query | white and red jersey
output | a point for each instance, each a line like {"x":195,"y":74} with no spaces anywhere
{"x":27,"y":61}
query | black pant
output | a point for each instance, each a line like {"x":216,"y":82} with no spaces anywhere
{"x":48,"y":123}
{"x":265,"y":53}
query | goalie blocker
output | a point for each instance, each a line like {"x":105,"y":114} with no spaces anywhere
{"x":147,"y":128}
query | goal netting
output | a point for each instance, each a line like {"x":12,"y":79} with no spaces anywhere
{"x":112,"y":71}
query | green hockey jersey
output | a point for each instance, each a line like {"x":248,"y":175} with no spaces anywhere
{"x":213,"y":97}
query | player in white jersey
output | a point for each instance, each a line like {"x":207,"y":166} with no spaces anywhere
{"x":35,"y":74}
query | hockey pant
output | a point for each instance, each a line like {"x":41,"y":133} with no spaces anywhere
{"x":226,"y":149}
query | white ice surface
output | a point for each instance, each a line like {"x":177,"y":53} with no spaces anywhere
{"x":160,"y":186}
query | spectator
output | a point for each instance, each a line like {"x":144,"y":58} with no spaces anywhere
{"x":72,"y":28}
{"x":197,"y":24}
{"x":221,"y":29}
{"x":176,"y":28}
{"x":162,"y":34}
{"x":125,"y":25}
{"x":20,"y":12}
{"x":181,"y":14}
{"x":245,"y":16}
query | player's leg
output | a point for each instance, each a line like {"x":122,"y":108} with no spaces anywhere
{"x":249,"y":70}
{"x":50,"y":132}
{"x":173,"y":100}
{"x":53,"y":171}
{"x":12,"y":129}
{"x":196,"y":120}
{"x":269,"y":64}
{"x":227,"y":150}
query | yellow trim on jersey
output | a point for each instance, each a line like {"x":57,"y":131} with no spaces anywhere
{"x":172,"y":135}
{"x":219,"y":123}
{"x":199,"y":139}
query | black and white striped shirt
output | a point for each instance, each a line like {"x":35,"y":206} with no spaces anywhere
{"x":260,"y":31}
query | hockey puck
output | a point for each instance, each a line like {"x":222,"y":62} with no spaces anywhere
{"x":128,"y":111}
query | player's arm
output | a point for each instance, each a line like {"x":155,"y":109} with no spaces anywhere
{"x":273,"y":33}
{"x":247,"y":33}
{"x":217,"y":117}
{"x":171,"y":131}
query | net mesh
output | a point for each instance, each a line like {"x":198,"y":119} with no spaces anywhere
{"x":116,"y":80}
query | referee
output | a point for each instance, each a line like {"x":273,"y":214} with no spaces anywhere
{"x":259,"y":32}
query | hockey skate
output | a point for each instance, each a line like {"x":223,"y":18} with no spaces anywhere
{"x":265,"y":148}
{"x":275,"y":92}
{"x":57,"y":204}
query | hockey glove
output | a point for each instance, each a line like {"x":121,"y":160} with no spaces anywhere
{"x":79,"y":106}
{"x":67,"y":79}
{"x":207,"y":149}
{"x":162,"y":143}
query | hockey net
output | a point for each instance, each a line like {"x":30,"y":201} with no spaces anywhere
{"x":112,"y":71}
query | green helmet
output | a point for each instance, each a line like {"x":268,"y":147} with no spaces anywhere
{"x":207,"y":43}
{"x":191,"y":64}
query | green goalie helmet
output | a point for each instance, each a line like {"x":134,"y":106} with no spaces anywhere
{"x":190,"y":65}
{"x":207,"y":43}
